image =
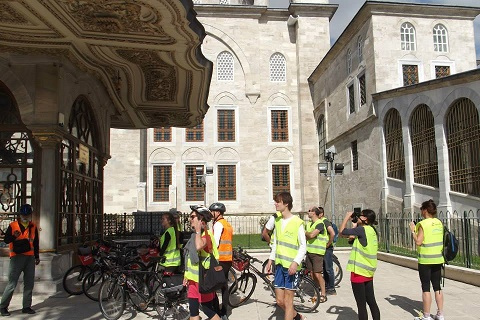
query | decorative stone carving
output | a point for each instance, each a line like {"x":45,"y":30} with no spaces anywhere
{"x":166,"y":119}
{"x":10,"y":16}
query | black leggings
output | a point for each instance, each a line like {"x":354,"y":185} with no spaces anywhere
{"x":364,"y":293}
{"x":430,"y":273}
{"x":207,"y":307}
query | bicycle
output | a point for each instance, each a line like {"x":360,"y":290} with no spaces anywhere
{"x":165,"y":292}
{"x":306,"y":298}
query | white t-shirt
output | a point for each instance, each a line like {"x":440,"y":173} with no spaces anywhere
{"x":302,"y":241}
{"x":270,"y":223}
{"x":217,"y":232}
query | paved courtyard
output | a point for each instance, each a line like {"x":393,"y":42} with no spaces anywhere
{"x":397,"y":291}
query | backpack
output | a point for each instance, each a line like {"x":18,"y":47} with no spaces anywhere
{"x":335,"y":228}
{"x":450,"y":245}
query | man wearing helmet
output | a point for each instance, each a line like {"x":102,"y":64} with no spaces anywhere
{"x":223,"y":233}
{"x":22,"y":238}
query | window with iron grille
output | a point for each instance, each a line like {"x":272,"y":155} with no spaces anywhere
{"x":353,"y":145}
{"x":394,"y":145}
{"x":407,"y":36}
{"x":162,"y":178}
{"x":279,"y":125}
{"x":322,"y":138}
{"x":360,"y":48}
{"x":224,"y":1}
{"x":351,"y":98}
{"x":363,"y":89}
{"x":442,"y":71}
{"x":227,"y":182}
{"x":463,"y":141}
{"x":194,"y":188}
{"x":162,"y":134}
{"x":410,"y":74}
{"x":424,"y":149}
{"x":226,"y":125}
{"x":440,"y":38}
{"x":225,"y":66}
{"x":280,"y":178}
{"x":278,"y":68}
{"x":194,"y":134}
{"x":349,"y":61}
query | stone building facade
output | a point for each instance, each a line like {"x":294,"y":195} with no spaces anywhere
{"x":385,"y":46}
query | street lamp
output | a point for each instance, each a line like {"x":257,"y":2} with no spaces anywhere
{"x":336,"y":169}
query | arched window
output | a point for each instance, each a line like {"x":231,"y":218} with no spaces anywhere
{"x":80,"y":215}
{"x":425,"y":162}
{"x":349,"y":61}
{"x":278,"y":68}
{"x":322,"y":138}
{"x":394,"y":145}
{"x":225,"y":66}
{"x":463,"y":141}
{"x":407,"y":35}
{"x":360,"y":48}
{"x":440,"y":38}
{"x":17,"y":158}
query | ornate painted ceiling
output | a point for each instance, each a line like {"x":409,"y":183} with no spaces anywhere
{"x":146,"y":53}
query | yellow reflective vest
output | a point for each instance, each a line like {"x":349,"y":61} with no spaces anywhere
{"x":172,"y":254}
{"x":317,"y":245}
{"x":430,"y":251}
{"x":363,"y":260}
{"x":287,"y":241}
{"x":192,"y":271}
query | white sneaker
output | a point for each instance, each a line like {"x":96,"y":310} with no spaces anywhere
{"x":422,"y":318}
{"x":438,"y":317}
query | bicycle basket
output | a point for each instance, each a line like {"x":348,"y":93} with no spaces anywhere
{"x":84,"y":251}
{"x":86,"y":259}
{"x":240,"y":265}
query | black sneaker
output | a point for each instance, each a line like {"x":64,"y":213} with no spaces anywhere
{"x":28,"y":310}
{"x":331,"y":292}
{"x":4,"y":312}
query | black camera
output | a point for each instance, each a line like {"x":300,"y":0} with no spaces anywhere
{"x":356,"y":214}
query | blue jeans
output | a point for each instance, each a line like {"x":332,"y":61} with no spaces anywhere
{"x":329,"y":275}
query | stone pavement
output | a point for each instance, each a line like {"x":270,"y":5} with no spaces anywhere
{"x":397,"y":291}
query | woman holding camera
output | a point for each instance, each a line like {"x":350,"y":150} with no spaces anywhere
{"x":363,"y":260}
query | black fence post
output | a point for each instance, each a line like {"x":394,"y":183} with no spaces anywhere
{"x":387,"y":234}
{"x":468,"y":257}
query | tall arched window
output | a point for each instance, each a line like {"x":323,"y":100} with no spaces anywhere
{"x":463,"y":141}
{"x":407,"y":36}
{"x":440,"y":38}
{"x":80,"y":216}
{"x":394,"y":145}
{"x":225,"y":66}
{"x":322,"y":138}
{"x":349,"y":61}
{"x":425,"y":162}
{"x":278,"y":68}
{"x":360,"y":48}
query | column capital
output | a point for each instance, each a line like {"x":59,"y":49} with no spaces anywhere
{"x":47,"y":136}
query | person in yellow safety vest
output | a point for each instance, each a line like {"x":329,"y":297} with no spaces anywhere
{"x":223,"y":233}
{"x":198,"y":248}
{"x":288,"y":250}
{"x":317,"y":239}
{"x":428,"y":236}
{"x":363,"y":260}
{"x":22,"y":238}
{"x":170,"y":243}
{"x":269,"y":226}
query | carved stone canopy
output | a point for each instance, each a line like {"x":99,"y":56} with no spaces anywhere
{"x":146,"y":52}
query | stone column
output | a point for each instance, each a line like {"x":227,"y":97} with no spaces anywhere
{"x":49,"y":141}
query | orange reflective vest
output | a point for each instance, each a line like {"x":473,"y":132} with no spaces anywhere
{"x":225,"y":248}
{"x":29,"y":234}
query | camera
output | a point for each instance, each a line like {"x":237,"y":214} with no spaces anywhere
{"x":356,"y":214}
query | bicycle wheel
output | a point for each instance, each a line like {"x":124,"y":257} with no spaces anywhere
{"x":232,"y":277}
{"x":175,"y":310}
{"x":243,"y":290}
{"x":307,"y":296}
{"x":270,"y":276}
{"x":73,"y":279}
{"x":138,"y":292}
{"x":337,"y":271}
{"x":91,"y":284}
{"x":111,"y":299}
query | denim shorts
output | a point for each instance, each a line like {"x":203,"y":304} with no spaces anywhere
{"x":285,"y":281}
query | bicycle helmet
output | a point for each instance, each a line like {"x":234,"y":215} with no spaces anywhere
{"x":218,"y":206}
{"x":203,"y":212}
{"x":26,"y":210}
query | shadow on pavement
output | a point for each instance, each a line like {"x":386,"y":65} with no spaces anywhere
{"x":405,"y":303}
{"x":344,"y":313}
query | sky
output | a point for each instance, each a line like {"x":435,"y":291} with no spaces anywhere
{"x":348,"y":8}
